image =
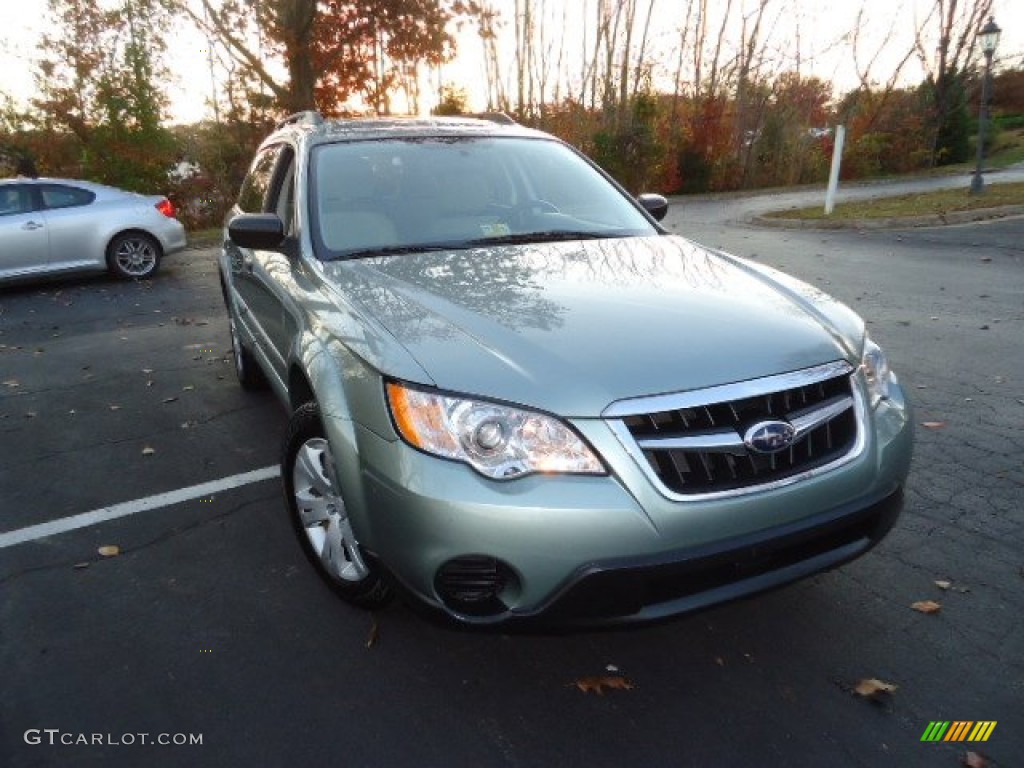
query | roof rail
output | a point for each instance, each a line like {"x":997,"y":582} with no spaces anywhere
{"x":309,"y":117}
{"x":496,"y":117}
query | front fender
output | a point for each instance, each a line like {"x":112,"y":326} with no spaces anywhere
{"x":350,"y":395}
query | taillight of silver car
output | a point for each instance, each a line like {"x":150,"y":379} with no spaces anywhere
{"x":166,"y":207}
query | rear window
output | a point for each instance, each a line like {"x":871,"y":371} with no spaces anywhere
{"x":62,"y":196}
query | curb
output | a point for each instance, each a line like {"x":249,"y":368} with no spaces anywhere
{"x":930,"y":220}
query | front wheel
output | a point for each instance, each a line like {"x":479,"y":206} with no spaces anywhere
{"x":320,"y":517}
{"x":133,"y":255}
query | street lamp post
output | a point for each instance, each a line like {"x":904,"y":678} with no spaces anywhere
{"x":989,"y":36}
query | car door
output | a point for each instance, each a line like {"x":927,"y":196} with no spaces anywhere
{"x":248,"y":294}
{"x":75,"y":225}
{"x":270,"y":276}
{"x":24,"y":238}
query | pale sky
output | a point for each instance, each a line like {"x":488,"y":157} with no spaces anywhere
{"x":820,"y":28}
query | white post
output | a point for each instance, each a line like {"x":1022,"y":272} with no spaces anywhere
{"x":833,"y":176}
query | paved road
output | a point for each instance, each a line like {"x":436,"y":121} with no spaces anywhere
{"x":737,"y":208}
{"x":209,"y":622}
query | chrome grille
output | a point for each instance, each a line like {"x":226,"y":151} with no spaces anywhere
{"x":696,"y":446}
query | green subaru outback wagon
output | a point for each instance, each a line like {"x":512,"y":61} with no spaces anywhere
{"x":515,"y":397}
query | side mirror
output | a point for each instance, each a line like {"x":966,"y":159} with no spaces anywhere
{"x":262,"y":231}
{"x":656,"y":205}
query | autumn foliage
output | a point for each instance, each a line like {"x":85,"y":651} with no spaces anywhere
{"x":723,"y":121}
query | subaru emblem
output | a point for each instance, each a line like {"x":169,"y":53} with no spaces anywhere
{"x":769,"y":436}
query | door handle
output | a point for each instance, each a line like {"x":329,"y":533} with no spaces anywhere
{"x":31,"y":225}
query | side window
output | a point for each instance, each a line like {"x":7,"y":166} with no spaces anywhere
{"x":253,"y":196}
{"x":282,"y":200}
{"x":60,"y":196}
{"x":15,"y":198}
{"x":285,"y":207}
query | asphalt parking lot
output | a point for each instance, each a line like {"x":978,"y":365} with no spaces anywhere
{"x":122,"y":426}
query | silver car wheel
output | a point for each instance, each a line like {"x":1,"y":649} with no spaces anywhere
{"x":323,"y":515}
{"x":135,"y":256}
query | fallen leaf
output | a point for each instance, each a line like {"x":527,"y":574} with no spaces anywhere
{"x":973,"y":760}
{"x":371,"y":639}
{"x":871,"y":687}
{"x":115,"y":407}
{"x":926,"y":606}
{"x":109,"y":550}
{"x":933,"y":424}
{"x":31,"y":415}
{"x":147,"y":371}
{"x":943,"y":584}
{"x":188,"y":388}
{"x":169,"y":400}
{"x":147,"y":451}
{"x":597,"y":684}
{"x":80,"y":566}
{"x":12,"y":383}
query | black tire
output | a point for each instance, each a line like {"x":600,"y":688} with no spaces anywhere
{"x":134,"y":256}
{"x":250,"y":375}
{"x":317,"y":510}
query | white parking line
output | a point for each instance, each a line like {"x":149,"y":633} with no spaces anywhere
{"x":65,"y":524}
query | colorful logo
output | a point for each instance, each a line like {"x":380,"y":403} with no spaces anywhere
{"x":959,"y":730}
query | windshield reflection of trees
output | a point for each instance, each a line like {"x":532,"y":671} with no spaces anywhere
{"x":520,"y":286}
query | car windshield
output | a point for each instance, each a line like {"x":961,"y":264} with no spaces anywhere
{"x":409,"y":195}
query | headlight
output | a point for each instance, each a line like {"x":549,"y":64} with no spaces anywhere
{"x":496,"y":440}
{"x":877,"y":373}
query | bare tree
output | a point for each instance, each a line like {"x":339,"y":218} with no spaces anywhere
{"x":865,"y":63}
{"x":677,"y":80}
{"x":949,"y":29}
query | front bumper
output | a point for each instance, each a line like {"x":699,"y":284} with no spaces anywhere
{"x":582,"y":550}
{"x":643,"y":589}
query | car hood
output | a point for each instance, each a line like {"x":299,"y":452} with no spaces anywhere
{"x":572,"y":327}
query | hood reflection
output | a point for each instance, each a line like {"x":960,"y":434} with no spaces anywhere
{"x":531,"y":286}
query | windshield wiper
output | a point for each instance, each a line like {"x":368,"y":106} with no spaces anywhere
{"x":395,"y":250}
{"x":544,"y":236}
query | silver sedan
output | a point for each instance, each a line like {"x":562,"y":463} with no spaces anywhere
{"x":52,"y":226}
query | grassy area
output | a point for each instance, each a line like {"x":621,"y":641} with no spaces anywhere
{"x":923,"y":204}
{"x":1008,"y":150}
{"x":1010,"y":153}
